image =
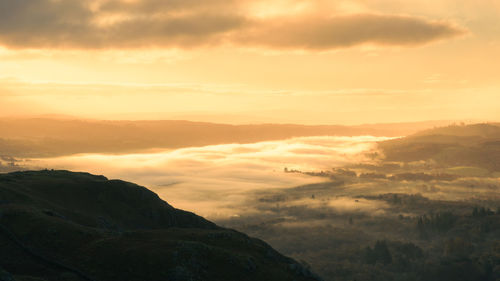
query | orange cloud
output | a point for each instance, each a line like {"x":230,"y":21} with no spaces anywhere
{"x":115,"y":24}
{"x":322,"y":33}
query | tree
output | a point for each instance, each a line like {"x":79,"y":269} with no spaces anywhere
{"x":379,"y":254}
{"x":382,"y":252}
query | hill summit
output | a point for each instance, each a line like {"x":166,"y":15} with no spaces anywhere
{"x":60,"y":225}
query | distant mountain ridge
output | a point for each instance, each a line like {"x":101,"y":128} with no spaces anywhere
{"x":44,"y":137}
{"x":60,"y":225}
{"x":476,"y":145}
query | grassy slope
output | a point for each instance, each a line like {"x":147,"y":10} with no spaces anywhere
{"x":113,"y":230}
{"x":473,"y":145}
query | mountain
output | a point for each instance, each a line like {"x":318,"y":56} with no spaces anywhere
{"x":60,"y":225}
{"x":43,"y":137}
{"x":476,"y":145}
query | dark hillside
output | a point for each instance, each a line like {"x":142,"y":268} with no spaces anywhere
{"x":473,"y":145}
{"x":58,"y":225}
{"x":95,"y":201}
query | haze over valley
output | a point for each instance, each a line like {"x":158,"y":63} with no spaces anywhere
{"x":426,"y":198}
{"x":249,"y":140}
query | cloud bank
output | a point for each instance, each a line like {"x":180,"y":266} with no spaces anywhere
{"x":75,"y":24}
{"x":217,"y":180}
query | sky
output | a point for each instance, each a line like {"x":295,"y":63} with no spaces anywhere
{"x":242,"y":61}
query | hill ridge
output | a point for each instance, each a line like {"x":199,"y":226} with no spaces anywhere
{"x":52,"y":220}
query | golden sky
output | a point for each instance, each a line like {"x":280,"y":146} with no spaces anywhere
{"x":240,"y":61}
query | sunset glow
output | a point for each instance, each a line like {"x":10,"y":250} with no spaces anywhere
{"x":276,"y":140}
{"x":284,"y":61}
{"x":215,"y":180}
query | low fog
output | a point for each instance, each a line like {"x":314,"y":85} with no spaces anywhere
{"x":422,"y":207}
{"x":214,"y":181}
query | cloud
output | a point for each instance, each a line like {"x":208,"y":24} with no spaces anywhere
{"x":75,"y":24}
{"x":346,"y":31}
{"x":221,"y":177}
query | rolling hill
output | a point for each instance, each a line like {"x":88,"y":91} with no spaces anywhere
{"x":44,"y":137}
{"x":476,"y":145}
{"x":60,"y":225}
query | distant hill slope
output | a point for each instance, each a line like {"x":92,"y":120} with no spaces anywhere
{"x":471,"y":145}
{"x":41,"y":137}
{"x":59,"y":225}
